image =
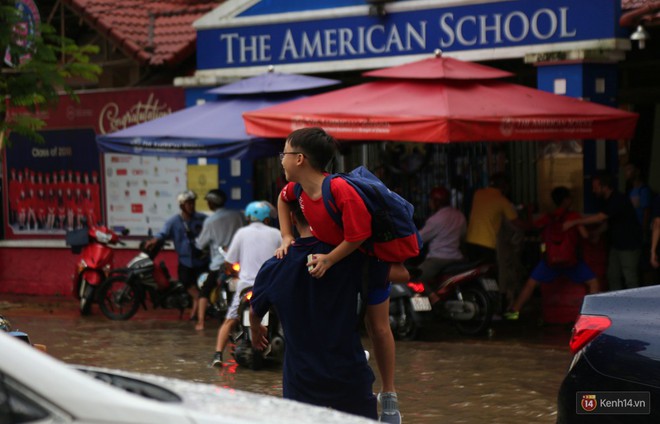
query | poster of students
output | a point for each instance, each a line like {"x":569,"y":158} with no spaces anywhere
{"x":52,"y":187}
{"x":141,"y":190}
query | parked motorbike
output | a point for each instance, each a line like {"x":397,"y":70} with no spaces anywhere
{"x":244,"y":353}
{"x":122,"y":293}
{"x":223,"y":292}
{"x":93,"y":243}
{"x":465,"y":293}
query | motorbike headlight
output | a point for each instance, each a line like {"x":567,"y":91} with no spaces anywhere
{"x":102,"y":237}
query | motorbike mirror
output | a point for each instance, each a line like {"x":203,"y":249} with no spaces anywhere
{"x":125,"y":232}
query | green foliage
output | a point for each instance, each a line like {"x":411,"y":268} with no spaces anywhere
{"x":40,"y":69}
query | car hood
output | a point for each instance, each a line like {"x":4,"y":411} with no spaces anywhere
{"x":207,"y":403}
{"x":120,"y":397}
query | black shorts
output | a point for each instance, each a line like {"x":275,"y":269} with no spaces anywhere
{"x":209,"y":284}
{"x":188,"y":276}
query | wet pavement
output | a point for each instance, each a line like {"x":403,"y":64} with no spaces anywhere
{"x":510,"y":377}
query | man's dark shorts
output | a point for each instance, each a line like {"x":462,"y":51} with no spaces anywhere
{"x":188,"y":276}
{"x":209,"y":284}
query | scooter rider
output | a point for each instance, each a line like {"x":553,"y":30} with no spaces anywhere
{"x":183,"y":228}
{"x":217,"y":232}
{"x":251,"y":247}
{"x":444,"y":231}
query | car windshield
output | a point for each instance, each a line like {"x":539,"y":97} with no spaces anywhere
{"x":138,"y":387}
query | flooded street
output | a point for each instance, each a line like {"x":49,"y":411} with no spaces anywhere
{"x":510,"y":378}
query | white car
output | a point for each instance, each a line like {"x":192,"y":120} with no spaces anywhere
{"x":37,"y":388}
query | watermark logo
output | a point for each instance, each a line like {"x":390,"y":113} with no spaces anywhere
{"x":589,"y":402}
{"x":613,"y":403}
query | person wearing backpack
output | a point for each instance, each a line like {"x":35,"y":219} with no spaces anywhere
{"x":561,"y":256}
{"x":307,"y":152}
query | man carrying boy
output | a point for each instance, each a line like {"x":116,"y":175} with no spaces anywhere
{"x":543,"y":272}
{"x":324,"y":361}
{"x":306,"y":154}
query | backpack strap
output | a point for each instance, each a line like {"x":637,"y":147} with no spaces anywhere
{"x":297,"y":190}
{"x":329,"y":200}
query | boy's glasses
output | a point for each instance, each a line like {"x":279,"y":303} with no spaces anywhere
{"x":289,"y":153}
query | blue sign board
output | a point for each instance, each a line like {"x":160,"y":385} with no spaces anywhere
{"x":408,"y":32}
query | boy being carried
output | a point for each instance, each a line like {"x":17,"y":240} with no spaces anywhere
{"x":306,"y":154}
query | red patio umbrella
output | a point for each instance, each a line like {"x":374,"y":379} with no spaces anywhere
{"x":439,"y":67}
{"x":442,"y":109}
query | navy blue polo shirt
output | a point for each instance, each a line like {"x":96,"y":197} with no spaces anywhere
{"x":624,"y":228}
{"x":324,"y":361}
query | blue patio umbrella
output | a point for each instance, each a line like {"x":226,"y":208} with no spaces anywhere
{"x":212,"y":129}
{"x":273,"y":82}
{"x":215,"y":128}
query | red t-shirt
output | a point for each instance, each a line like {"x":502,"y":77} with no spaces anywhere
{"x":356,"y":219}
{"x":546,"y":220}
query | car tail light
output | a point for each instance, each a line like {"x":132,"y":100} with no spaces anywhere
{"x":416,"y":287}
{"x":586,"y":328}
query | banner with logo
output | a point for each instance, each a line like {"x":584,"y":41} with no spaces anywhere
{"x":141,"y":191}
{"x":52,"y":186}
{"x":70,"y":160}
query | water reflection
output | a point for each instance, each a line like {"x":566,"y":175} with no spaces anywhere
{"x":511,"y":378}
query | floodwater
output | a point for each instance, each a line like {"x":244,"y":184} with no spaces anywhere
{"x":511,"y":377}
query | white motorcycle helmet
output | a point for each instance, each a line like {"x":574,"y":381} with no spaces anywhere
{"x":185,"y":196}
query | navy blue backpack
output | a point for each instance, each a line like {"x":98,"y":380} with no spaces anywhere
{"x":394,"y":235}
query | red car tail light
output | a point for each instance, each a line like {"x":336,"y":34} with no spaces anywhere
{"x":586,"y":328}
{"x":416,"y":287}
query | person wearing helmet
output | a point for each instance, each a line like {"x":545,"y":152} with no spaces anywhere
{"x":443,"y":232}
{"x":216,"y":234}
{"x":251,"y":246}
{"x":182,"y":229}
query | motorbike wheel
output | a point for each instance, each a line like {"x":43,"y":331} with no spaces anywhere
{"x":483,"y":314}
{"x":247,"y":356}
{"x":406,"y":328}
{"x":86,"y":299}
{"x":118,"y":300}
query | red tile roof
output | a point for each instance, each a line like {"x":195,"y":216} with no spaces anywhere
{"x":153,"y":32}
{"x":160,"y":32}
{"x":634,"y":4}
{"x":636,"y":12}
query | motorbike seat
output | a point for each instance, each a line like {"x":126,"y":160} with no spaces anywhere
{"x":458,"y":267}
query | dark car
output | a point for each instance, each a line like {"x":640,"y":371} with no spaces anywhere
{"x":615,"y":374}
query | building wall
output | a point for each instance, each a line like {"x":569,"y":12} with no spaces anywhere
{"x":48,"y":271}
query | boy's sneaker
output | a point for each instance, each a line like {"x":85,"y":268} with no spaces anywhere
{"x":217,"y":360}
{"x":389,"y":405}
{"x":511,"y":315}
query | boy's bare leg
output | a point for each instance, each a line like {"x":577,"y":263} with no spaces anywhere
{"x":398,"y":274}
{"x":202,"y":304}
{"x":378,"y":327}
{"x":593,"y":286}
